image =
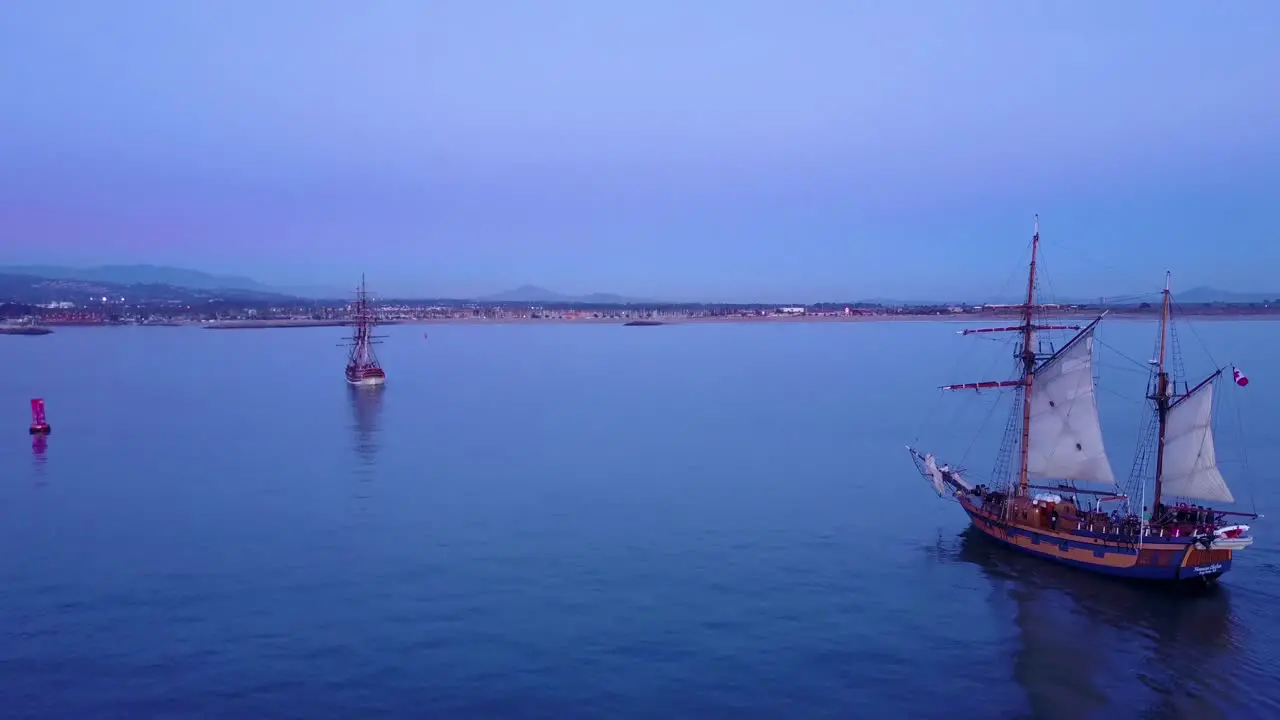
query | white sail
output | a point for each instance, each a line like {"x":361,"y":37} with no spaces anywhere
{"x":1190,"y":465}
{"x":935,"y":475}
{"x":955,"y":475}
{"x":1065,"y":435}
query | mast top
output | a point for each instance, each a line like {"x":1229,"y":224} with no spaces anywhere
{"x":1168,"y":275}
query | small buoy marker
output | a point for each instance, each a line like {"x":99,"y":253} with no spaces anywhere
{"x":38,"y":424}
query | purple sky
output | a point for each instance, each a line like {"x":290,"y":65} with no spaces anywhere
{"x":793,"y":150}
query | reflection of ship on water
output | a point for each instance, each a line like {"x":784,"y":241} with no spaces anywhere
{"x":1078,"y":633}
{"x":39,"y":446}
{"x":366,"y":406}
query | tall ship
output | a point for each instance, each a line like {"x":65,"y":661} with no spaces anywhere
{"x":362,"y":364}
{"x":1053,"y":493}
{"x":24,"y":326}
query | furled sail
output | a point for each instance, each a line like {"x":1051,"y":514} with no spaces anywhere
{"x":935,"y":475}
{"x":955,"y":476}
{"x":1065,"y":434}
{"x":1190,"y":464}
{"x":939,"y":476}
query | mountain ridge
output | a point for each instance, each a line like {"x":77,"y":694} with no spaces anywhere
{"x":534,"y":293}
{"x":149,"y":274}
{"x":1202,"y":294}
{"x":30,"y":289}
{"x":146,"y":274}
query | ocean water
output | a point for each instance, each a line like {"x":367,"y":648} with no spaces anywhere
{"x":568,"y":521}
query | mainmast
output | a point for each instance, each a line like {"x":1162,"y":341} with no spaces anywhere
{"x":362,"y":337}
{"x":360,"y":353}
{"x":1028,"y":360}
{"x":1161,"y":396}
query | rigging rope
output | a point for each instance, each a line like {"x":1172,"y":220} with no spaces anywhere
{"x":990,"y":412}
{"x":1146,"y":367}
{"x":1244,"y":456}
{"x":1014,"y":273}
{"x":951,"y":418}
{"x":1203,"y":344}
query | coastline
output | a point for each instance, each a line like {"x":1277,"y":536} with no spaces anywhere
{"x":1127,"y":317}
{"x":267,"y":324}
{"x":662,"y":320}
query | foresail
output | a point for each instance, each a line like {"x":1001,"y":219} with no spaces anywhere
{"x":1190,"y":465}
{"x":1065,"y":434}
{"x":935,"y":475}
{"x":945,"y":480}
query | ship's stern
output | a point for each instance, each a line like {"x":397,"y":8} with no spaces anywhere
{"x":367,"y":380}
{"x":366,"y":377}
{"x":1205,"y":564}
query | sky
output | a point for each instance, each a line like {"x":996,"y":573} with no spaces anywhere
{"x":728,"y":150}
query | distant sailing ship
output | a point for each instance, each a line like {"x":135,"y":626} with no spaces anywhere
{"x":362,"y":364}
{"x":1056,"y":432}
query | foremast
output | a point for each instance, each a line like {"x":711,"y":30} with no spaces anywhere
{"x":1161,"y":396}
{"x":1057,"y":428}
{"x":1028,"y":361}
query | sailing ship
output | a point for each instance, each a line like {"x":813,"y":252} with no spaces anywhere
{"x":362,"y":365}
{"x":1035,"y":504}
{"x":25,"y":326}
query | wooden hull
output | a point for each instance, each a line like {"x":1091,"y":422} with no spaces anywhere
{"x":367,"y":382}
{"x":366,"y":376}
{"x":1155,"y":559}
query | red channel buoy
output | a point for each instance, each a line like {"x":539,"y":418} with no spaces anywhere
{"x":39,"y":426}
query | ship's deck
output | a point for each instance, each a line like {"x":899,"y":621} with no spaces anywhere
{"x":1173,"y":524}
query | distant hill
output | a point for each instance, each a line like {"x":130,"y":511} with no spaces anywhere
{"x":175,"y":277}
{"x":318,"y":292}
{"x":535,"y":294}
{"x":34,"y":290}
{"x":1194,"y":296}
{"x":139,"y":274}
{"x":1210,"y":295}
{"x":114,"y":278}
{"x":890,"y":302}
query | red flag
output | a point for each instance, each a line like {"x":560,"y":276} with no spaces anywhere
{"x":1238,"y":376}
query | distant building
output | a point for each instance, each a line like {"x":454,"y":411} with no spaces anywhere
{"x":791,"y":311}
